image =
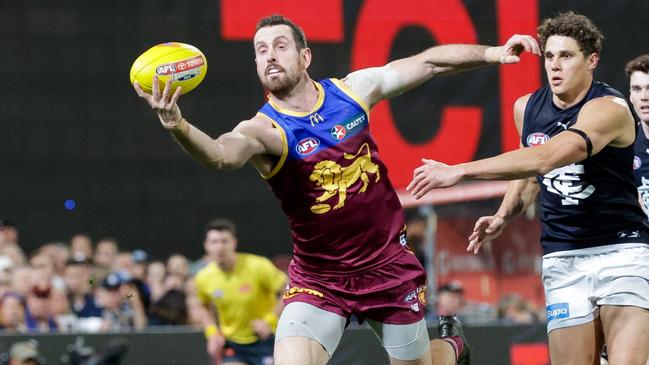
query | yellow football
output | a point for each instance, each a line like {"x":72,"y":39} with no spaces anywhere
{"x":185,"y":64}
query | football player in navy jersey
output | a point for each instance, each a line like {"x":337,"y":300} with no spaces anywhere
{"x":638,"y":72}
{"x":577,"y":138}
{"x":327,"y":178}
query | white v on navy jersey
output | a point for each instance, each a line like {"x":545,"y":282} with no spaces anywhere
{"x":641,"y":166}
{"x":589,"y":203}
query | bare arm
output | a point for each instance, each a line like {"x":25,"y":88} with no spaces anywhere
{"x":606,"y":120}
{"x":378,"y":83}
{"x":231,"y":150}
{"x":519,"y":196}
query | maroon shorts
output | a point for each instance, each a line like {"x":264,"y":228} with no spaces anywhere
{"x":394,"y":293}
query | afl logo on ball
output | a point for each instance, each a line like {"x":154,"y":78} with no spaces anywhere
{"x":536,"y":139}
{"x":307,"y":146}
{"x":338,"y":132}
{"x":637,"y":162}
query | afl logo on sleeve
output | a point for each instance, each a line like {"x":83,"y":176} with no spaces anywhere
{"x":536,"y":139}
{"x":307,"y":146}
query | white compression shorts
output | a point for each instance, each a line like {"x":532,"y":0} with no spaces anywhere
{"x":577,"y":282}
{"x":402,"y":342}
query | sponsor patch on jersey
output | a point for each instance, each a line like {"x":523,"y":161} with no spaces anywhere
{"x":558,"y":311}
{"x":637,"y":162}
{"x":307,"y":146}
{"x":293,"y":291}
{"x":536,"y":139}
{"x":218,"y":293}
{"x":338,"y":132}
{"x":411,"y":297}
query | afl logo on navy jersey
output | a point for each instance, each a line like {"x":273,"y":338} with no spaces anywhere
{"x":338,"y":132}
{"x":307,"y":146}
{"x":637,"y":162}
{"x":536,"y":139}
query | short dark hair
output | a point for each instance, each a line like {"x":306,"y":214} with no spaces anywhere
{"x":278,"y":19}
{"x":576,"y":26}
{"x":221,"y":224}
{"x":640,"y":63}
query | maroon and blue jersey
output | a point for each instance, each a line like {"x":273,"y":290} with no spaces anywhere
{"x":344,"y":214}
{"x":589,"y":203}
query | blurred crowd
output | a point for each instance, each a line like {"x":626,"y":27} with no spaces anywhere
{"x":94,"y":286}
{"x":86,"y":286}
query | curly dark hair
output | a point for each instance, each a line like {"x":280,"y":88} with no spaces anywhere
{"x":576,"y":26}
{"x":278,"y":19}
{"x":640,"y":63}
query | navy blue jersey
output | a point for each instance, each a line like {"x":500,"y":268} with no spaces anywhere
{"x":641,"y":166}
{"x":589,"y":203}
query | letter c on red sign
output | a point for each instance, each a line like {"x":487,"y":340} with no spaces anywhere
{"x":448,"y":21}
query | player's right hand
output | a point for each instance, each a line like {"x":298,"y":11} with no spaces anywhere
{"x":164,"y":105}
{"x":215,"y":346}
{"x":485,"y":230}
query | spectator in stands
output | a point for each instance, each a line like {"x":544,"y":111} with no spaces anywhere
{"x":22,"y":280}
{"x":9,"y":232}
{"x":123,"y":262}
{"x":169,"y":310}
{"x":39,"y":316}
{"x":155,"y":274}
{"x":450,"y":299}
{"x":81,"y":244}
{"x":13,"y":310}
{"x":179,"y":265}
{"x":79,"y":289}
{"x":122,"y":305}
{"x":140,"y":259}
{"x":513,"y":309}
{"x":106,"y":251}
{"x":14,"y":253}
{"x":58,"y":252}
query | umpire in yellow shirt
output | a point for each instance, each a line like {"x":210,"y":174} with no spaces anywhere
{"x":242,"y":294}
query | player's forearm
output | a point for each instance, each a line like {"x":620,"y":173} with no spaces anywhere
{"x":457,"y":57}
{"x":518,"y":164}
{"x":519,"y":196}
{"x":202,"y":147}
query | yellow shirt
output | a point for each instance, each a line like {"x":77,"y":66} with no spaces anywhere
{"x":247,"y":292}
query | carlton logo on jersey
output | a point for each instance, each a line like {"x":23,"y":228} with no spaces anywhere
{"x":335,"y":179}
{"x":338,"y":132}
{"x":566,"y":182}
{"x":536,"y":139}
{"x":307,"y":146}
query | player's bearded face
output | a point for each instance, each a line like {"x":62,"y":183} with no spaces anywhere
{"x":280,"y":65}
{"x":282,"y":77}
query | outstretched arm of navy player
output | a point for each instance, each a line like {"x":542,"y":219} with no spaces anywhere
{"x":604,"y":121}
{"x":519,"y":196}
{"x":249,"y":140}
{"x":378,"y":83}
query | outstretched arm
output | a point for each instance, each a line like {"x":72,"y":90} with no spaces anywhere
{"x":230,"y":150}
{"x":378,"y":83}
{"x":606,"y":121}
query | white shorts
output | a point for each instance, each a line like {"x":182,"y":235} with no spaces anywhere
{"x":577,"y":282}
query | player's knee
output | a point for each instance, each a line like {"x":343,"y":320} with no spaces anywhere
{"x":406,"y":342}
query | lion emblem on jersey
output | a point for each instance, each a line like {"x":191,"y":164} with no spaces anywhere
{"x":335,"y":179}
